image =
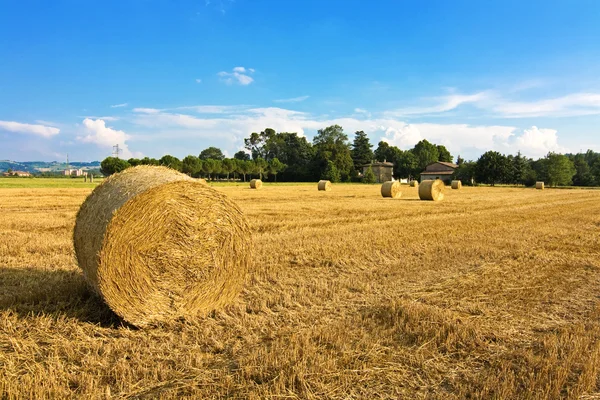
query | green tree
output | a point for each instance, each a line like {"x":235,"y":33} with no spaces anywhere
{"x":260,"y":167}
{"x":112,"y":165}
{"x":444,"y":154}
{"x":228,"y":166}
{"x":492,"y":167}
{"x":211,"y":167}
{"x":275,"y":167}
{"x":212,"y":153}
{"x":331,"y":144}
{"x":465,"y":172}
{"x":244,"y":167}
{"x":331,"y":173}
{"x":559,"y":169}
{"x":134,"y":162}
{"x":384,"y":152}
{"x":426,"y":154}
{"x":191,"y":165}
{"x":361,"y":150}
{"x":256,"y":144}
{"x":583,"y":172}
{"x":149,"y":161}
{"x":369,"y":176}
{"x":242,"y":155}
{"x":171,"y":162}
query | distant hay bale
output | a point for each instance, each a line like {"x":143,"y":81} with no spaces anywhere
{"x":456,"y":185}
{"x":391,"y":189}
{"x":432,"y":190}
{"x":158,"y":245}
{"x":324,"y":185}
{"x":539,"y":185}
{"x":255,"y":184}
{"x":414,"y":183}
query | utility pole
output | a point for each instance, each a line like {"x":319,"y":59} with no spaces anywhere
{"x":116,"y":151}
{"x":68,"y":166}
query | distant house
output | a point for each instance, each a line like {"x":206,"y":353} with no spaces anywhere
{"x":383,"y":170}
{"x":74,"y":172}
{"x":16,"y":173}
{"x":439,"y":170}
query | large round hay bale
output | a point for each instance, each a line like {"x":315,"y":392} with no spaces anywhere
{"x":158,"y":245}
{"x":414,"y":183}
{"x":456,"y":185}
{"x":324,"y":185}
{"x":432,"y":190}
{"x":391,"y":189}
{"x":539,"y":185}
{"x":255,"y":184}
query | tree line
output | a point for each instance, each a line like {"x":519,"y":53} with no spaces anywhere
{"x":287,"y":156}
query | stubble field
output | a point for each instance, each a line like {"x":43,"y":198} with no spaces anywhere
{"x":492,"y":293}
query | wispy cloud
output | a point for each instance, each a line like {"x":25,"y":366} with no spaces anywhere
{"x":239,"y":75}
{"x":198,"y":80}
{"x":444,"y":104}
{"x":142,"y":110}
{"x":576,"y":104}
{"x":292,"y":100}
{"x":105,"y":118}
{"x":18,"y":127}
{"x":119,"y":105}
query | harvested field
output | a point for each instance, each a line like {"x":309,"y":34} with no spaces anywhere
{"x":492,"y":293}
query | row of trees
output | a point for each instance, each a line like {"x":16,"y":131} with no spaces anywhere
{"x":286,"y":156}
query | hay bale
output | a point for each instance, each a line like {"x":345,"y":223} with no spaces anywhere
{"x":414,"y":183}
{"x":432,"y":190}
{"x":202,"y":180}
{"x":539,"y":185}
{"x":158,"y":245}
{"x":324,"y":185}
{"x":456,"y":185}
{"x":391,"y":189}
{"x":255,"y":184}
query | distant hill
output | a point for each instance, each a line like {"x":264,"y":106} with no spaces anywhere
{"x":44,"y":166}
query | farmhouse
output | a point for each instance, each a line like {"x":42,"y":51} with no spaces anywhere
{"x":75,"y":172}
{"x":439,"y":170}
{"x":17,"y":173}
{"x":382,"y":170}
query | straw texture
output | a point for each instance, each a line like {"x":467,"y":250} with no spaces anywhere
{"x":432,"y":190}
{"x":391,"y":189}
{"x":158,"y":245}
{"x":324,"y":185}
{"x":539,"y":185}
{"x":456,"y":185}
{"x":255,"y":184}
{"x":414,"y":183}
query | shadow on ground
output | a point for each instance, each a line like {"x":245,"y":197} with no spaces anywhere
{"x":38,"y":291}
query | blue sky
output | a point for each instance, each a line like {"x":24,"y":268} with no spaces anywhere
{"x":165,"y":77}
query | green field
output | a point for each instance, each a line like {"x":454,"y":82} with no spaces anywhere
{"x":7,"y":183}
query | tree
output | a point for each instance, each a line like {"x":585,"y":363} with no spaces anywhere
{"x":444,"y":154}
{"x":559,"y":169}
{"x":228,"y":165}
{"x":112,"y":165}
{"x":465,"y":172}
{"x":331,"y":173}
{"x":426,"y":154}
{"x":583,"y":172}
{"x":459,"y":160}
{"x":369,"y":176}
{"x":361,"y":150}
{"x":212,"y":153}
{"x":276,"y":166}
{"x":244,"y":167}
{"x":211,"y":167}
{"x":9,"y":170}
{"x":256,"y":144}
{"x":191,"y":165}
{"x":383,"y":152}
{"x":242,"y":155}
{"x":134,"y":162}
{"x":171,"y":162}
{"x":519,"y":169}
{"x":491,"y":167}
{"x":405,"y":163}
{"x":260,"y":166}
{"x":331,"y":144}
{"x":149,"y":161}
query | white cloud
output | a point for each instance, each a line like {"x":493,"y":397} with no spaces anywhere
{"x":292,"y":100}
{"x":105,"y":118}
{"x":146,"y":110}
{"x":210,"y":109}
{"x":198,"y":80}
{"x":575,"y":104}
{"x":119,"y":105}
{"x":97,"y":132}
{"x":535,"y":142}
{"x":445,"y":103}
{"x":18,"y":127}
{"x":239,"y":75}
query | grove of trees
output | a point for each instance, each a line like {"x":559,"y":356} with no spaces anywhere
{"x":288,"y":157}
